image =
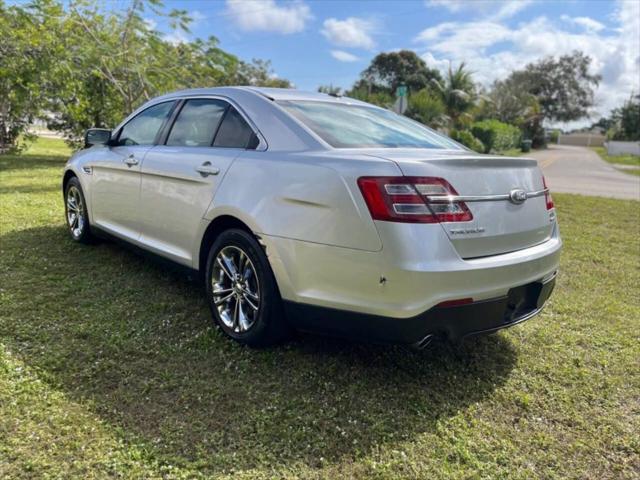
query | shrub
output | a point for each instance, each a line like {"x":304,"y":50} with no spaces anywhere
{"x":496,"y":135}
{"x":466,"y":138}
{"x":426,"y":108}
{"x":554,"y":135}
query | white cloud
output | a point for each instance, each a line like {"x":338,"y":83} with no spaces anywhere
{"x":196,"y":17}
{"x":351,"y":32}
{"x":492,"y":50}
{"x":343,"y":56}
{"x":496,"y":9}
{"x":456,"y":38}
{"x":587,"y":23}
{"x":268,"y":16}
{"x":150,"y":23}
{"x":510,"y":8}
{"x":177,"y":37}
{"x":433,"y":62}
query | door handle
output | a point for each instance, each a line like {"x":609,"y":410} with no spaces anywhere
{"x":207,"y":169}
{"x":131,"y":160}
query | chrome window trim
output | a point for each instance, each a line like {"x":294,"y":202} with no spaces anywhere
{"x":262,"y":142}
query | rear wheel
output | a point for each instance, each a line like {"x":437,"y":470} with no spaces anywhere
{"x":75,"y":209}
{"x":242,"y":291}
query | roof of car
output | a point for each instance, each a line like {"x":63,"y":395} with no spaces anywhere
{"x":290,"y":94}
{"x":282,"y":131}
{"x":270,"y":93}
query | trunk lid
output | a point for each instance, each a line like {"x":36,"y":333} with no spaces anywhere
{"x":497,"y":226}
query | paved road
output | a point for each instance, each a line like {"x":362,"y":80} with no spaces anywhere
{"x":580,"y":170}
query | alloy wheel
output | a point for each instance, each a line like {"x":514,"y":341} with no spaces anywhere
{"x":75,"y":211}
{"x":235,"y":288}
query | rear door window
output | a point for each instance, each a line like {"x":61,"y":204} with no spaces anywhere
{"x":234,"y":132}
{"x":197,"y":123}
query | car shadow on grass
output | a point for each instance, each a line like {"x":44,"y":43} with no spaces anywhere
{"x":31,"y":162}
{"x":30,"y":189}
{"x":132,"y":340}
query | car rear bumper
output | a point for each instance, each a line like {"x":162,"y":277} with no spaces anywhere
{"x":406,"y":278}
{"x":455,"y":322}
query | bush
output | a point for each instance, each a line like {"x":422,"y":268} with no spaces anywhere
{"x":466,"y":138}
{"x":496,"y":135}
{"x":554,"y":135}
{"x":426,"y":108}
{"x":626,"y":121}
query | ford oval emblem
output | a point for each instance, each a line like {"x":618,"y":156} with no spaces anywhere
{"x":517,"y":196}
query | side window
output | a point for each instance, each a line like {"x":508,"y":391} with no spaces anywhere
{"x":197,"y":123}
{"x":143,"y":128}
{"x":234,"y":132}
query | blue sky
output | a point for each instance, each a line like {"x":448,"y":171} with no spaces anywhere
{"x":322,"y":42}
{"x":314,"y":43}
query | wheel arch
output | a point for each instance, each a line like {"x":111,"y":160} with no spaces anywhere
{"x":68,"y":175}
{"x":72,"y":171}
{"x":213,"y":230}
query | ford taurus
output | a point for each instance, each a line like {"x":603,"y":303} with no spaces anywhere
{"x":319,"y":213}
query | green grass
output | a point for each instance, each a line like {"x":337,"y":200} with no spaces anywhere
{"x":513,"y":152}
{"x":44,"y":146}
{"x":630,"y":160}
{"x":109,"y":367}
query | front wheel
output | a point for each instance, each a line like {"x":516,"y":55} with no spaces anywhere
{"x":75,"y":209}
{"x":242,"y":291}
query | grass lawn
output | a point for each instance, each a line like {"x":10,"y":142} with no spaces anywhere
{"x":513,"y":152}
{"x":630,"y":160}
{"x":45,"y":146}
{"x":109,"y":368}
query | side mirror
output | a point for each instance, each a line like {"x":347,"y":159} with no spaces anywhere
{"x":97,"y":136}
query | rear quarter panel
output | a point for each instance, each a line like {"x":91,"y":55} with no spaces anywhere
{"x":308,"y":197}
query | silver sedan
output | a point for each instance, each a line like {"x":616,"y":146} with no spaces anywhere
{"x":320,"y":213}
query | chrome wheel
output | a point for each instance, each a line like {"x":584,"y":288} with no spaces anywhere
{"x":236,"y":290}
{"x":75,"y":211}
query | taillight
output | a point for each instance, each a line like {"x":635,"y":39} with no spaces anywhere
{"x":404,"y":199}
{"x":547,"y":195}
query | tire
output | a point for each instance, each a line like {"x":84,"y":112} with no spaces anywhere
{"x":75,"y":212}
{"x":242,"y":292}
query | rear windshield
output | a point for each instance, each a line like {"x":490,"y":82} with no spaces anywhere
{"x":356,"y":126}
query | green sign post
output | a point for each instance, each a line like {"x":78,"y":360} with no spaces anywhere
{"x":401,"y":104}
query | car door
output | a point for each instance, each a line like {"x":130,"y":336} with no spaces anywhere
{"x":180,"y":176}
{"x":115,"y":189}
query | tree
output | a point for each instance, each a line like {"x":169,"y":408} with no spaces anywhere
{"x":563,"y":87}
{"x":603,"y":124}
{"x":91,"y":67}
{"x":115,"y":62}
{"x":624,"y":122}
{"x":28,"y":54}
{"x":510,"y":102}
{"x":458,"y":94}
{"x":260,"y":74}
{"x":361,"y":91}
{"x":389,"y":70}
{"x":630,"y":119}
{"x":426,"y":107}
{"x":330,"y":90}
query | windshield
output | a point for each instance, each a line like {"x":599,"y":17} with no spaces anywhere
{"x":356,"y":126}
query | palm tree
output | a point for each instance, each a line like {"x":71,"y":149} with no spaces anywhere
{"x":458,"y":93}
